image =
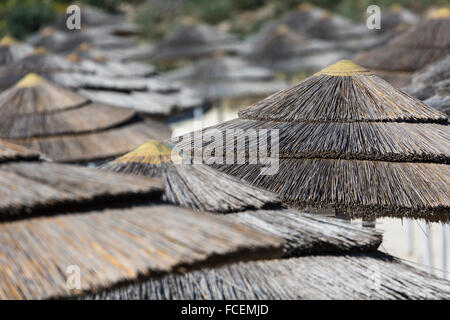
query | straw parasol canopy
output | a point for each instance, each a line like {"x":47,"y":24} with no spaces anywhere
{"x":432,"y":85}
{"x":154,"y":241}
{"x":56,"y":40}
{"x":12,"y":50}
{"x":286,"y":51}
{"x":222,"y":77}
{"x":39,"y":61}
{"x":14,"y":152}
{"x":191,"y":185}
{"x":346,"y":277}
{"x":395,"y":16}
{"x":349,"y":141}
{"x":303,"y":17}
{"x":68,"y":127}
{"x":193,"y":39}
{"x":416,"y":47}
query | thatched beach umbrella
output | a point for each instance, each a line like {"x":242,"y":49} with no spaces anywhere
{"x":412,"y":50}
{"x":56,"y":40}
{"x":117,"y":246}
{"x":396,"y":16}
{"x":190,"y":185}
{"x":39,"y":61}
{"x":68,"y":127}
{"x":223,"y":77}
{"x":12,"y":50}
{"x":432,"y":85}
{"x":194,"y":40}
{"x":286,"y":51}
{"x":349,"y":277}
{"x":351,"y":142}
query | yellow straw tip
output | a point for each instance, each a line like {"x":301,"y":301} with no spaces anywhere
{"x":152,"y":152}
{"x":8,"y":41}
{"x":282,"y":29}
{"x":30,"y":80}
{"x":344,"y":68}
{"x":305,"y":6}
{"x":441,"y":13}
{"x":395,"y":8}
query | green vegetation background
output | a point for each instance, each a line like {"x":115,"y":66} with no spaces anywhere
{"x":22,"y":17}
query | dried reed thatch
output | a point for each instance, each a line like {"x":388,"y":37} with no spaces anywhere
{"x":153,"y":240}
{"x":14,"y":152}
{"x":194,"y":40}
{"x":35,"y":188}
{"x":349,"y":141}
{"x":56,"y":40}
{"x":39,"y":61}
{"x":432,"y":85}
{"x":396,"y":16}
{"x":354,"y":277}
{"x":227,"y":77}
{"x":418,"y":46}
{"x":190,"y":185}
{"x":12,"y":50}
{"x":303,"y":17}
{"x":307,"y":234}
{"x":66,"y":126}
{"x":148,"y":102}
{"x":281,"y":49}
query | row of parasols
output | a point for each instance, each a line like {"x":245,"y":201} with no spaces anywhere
{"x":349,"y":142}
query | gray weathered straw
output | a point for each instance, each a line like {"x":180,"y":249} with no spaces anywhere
{"x":12,"y":50}
{"x":227,"y":77}
{"x":432,"y":85}
{"x":412,"y":50}
{"x":114,"y":247}
{"x":66,"y":126}
{"x":56,"y":40}
{"x":349,"y":277}
{"x":14,"y":152}
{"x":193,"y":40}
{"x":189,"y":185}
{"x":349,"y":141}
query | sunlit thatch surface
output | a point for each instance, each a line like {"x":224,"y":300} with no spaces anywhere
{"x":306,"y":234}
{"x":12,"y":50}
{"x":118,"y":246}
{"x":14,"y":152}
{"x":189,"y":185}
{"x":66,"y":126}
{"x":222,"y":77}
{"x":348,"y":277}
{"x":418,"y":46}
{"x":281,"y":49}
{"x":349,"y":141}
{"x":193,"y":40}
{"x":432,"y":85}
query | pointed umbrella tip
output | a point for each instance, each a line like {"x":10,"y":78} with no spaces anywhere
{"x":344,"y":68}
{"x":152,"y":152}
{"x":30,"y":80}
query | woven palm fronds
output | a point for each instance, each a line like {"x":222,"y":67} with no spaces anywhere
{"x":56,"y":40}
{"x":190,"y":185}
{"x":227,"y":77}
{"x":154,"y":241}
{"x":12,"y":50}
{"x":413,"y":49}
{"x":307,"y":234}
{"x":349,"y":277}
{"x":14,"y":152}
{"x":66,"y":126}
{"x":39,"y":188}
{"x":349,"y":141}
{"x":194,"y":40}
{"x":281,"y":49}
